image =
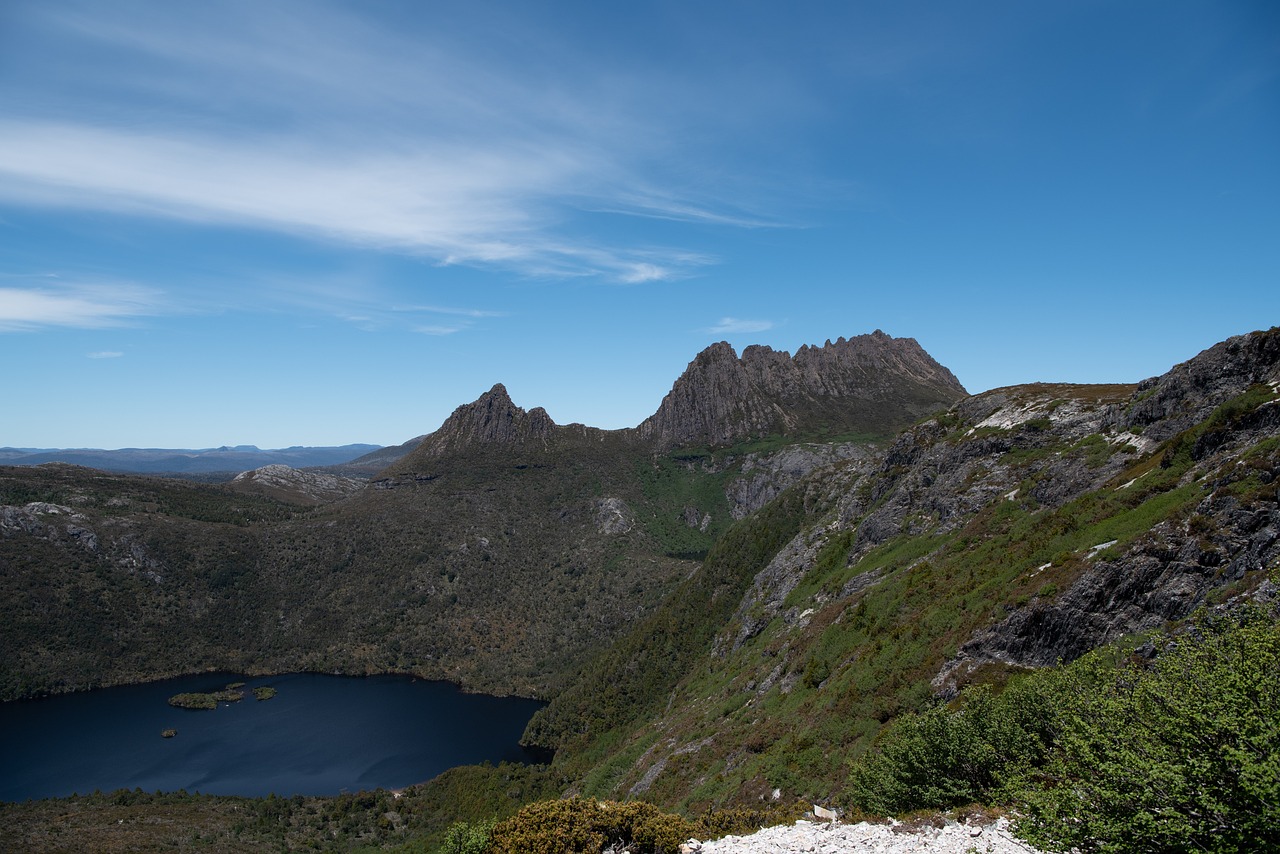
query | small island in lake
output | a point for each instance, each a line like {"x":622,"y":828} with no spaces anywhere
{"x":266,"y":692}
{"x":193,"y":700}
{"x":168,"y":733}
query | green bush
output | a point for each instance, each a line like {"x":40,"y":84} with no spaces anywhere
{"x":464,"y":838}
{"x":1112,"y":753}
{"x":1179,"y":754}
{"x":586,"y":826}
{"x":947,"y":757}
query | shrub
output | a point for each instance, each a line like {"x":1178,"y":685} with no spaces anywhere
{"x":1179,"y":754}
{"x":947,"y":758}
{"x":464,"y":838}
{"x":580,"y":826}
{"x":1112,"y":752}
{"x":584,"y":826}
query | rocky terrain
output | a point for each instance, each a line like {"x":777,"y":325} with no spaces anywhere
{"x":295,"y":486}
{"x":736,"y":598}
{"x":867,"y":383}
{"x":944,"y":837}
{"x":1024,"y":526}
{"x":427,"y":569}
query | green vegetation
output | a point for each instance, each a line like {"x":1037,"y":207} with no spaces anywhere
{"x":1114,"y":752}
{"x":864,"y":632}
{"x":586,"y":826}
{"x":631,"y":677}
{"x":682,"y":675}
{"x":264,"y":692}
{"x":193,"y":700}
{"x":464,"y":838}
{"x":415,"y":820}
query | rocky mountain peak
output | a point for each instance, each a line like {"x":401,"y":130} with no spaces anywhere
{"x":868,"y":383}
{"x":491,"y":419}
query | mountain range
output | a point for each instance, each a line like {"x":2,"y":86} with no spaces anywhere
{"x":231,"y":459}
{"x":733,"y":598}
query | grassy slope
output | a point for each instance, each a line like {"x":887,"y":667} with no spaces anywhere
{"x":793,"y":705}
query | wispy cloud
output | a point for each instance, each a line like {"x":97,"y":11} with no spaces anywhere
{"x":450,"y":310}
{"x":328,"y":127}
{"x":24,"y":309}
{"x":733,"y":325}
{"x":105,"y":354}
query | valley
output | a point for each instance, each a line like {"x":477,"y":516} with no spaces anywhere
{"x":726,"y":607}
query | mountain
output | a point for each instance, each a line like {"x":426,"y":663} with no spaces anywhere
{"x":430,"y":568}
{"x":731,"y":599}
{"x":492,"y":419}
{"x":870,"y":383}
{"x":1024,"y":526}
{"x":182,"y":461}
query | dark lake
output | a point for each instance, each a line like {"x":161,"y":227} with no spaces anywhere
{"x":320,"y":735}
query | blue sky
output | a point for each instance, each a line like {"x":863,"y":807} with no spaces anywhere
{"x":318,"y":223}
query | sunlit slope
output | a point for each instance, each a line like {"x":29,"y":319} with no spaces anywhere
{"x":1025,"y":526}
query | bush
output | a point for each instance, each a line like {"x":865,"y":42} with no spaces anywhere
{"x":581,"y":826}
{"x":584,"y":826}
{"x":1111,"y":753}
{"x":464,"y":838}
{"x":946,"y":758}
{"x":1179,"y":754}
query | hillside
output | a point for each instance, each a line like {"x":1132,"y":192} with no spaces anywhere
{"x":1024,"y":526}
{"x":721,"y":623}
{"x":428,"y":569}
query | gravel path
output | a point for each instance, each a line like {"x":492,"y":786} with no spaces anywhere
{"x":863,"y":838}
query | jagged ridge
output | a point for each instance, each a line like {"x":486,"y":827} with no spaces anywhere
{"x":866,"y":383}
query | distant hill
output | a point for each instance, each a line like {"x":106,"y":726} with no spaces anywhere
{"x":236,"y":458}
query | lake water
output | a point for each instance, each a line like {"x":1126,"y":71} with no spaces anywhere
{"x":320,"y":735}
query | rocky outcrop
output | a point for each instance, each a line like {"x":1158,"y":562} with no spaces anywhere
{"x":1037,"y":448}
{"x":53,"y":522}
{"x":491,"y":420}
{"x":765,"y":476}
{"x":1166,"y":405}
{"x":294,"y":485}
{"x":870,"y":383}
{"x":830,"y":837}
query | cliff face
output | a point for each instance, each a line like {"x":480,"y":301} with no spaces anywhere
{"x":868,"y":383}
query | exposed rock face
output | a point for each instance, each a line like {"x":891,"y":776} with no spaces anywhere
{"x":492,"y":419}
{"x":1170,"y":403}
{"x":613,"y":516}
{"x":871,"y":383}
{"x":295,"y":486}
{"x":45,"y":520}
{"x":864,"y":383}
{"x":765,"y":476}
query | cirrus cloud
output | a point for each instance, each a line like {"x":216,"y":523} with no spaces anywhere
{"x":735,"y":325}
{"x":84,"y":305}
